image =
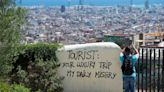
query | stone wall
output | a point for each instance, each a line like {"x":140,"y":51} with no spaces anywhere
{"x":92,"y":67}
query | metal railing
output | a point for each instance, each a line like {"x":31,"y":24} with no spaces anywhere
{"x":150,"y":70}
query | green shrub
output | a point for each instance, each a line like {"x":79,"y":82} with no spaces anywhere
{"x":4,"y":87}
{"x":36,"y":66}
{"x":19,"y":88}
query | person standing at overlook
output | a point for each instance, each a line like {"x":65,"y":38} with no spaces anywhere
{"x":128,"y":61}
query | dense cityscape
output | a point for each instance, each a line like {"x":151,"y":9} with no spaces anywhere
{"x":83,"y":24}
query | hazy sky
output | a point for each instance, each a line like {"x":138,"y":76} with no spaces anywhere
{"x":90,"y":2}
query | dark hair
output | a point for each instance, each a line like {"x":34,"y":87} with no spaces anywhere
{"x":127,"y":50}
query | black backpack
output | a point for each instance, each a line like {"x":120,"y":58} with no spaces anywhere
{"x":127,"y":66}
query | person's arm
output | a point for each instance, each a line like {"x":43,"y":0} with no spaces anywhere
{"x":123,"y":50}
{"x":136,"y":50}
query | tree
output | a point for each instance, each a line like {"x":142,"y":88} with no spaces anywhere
{"x":36,"y":66}
{"x":11,"y":20}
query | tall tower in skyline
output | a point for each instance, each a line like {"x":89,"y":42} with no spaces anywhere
{"x":131,"y":2}
{"x":69,"y":3}
{"x":62,"y":9}
{"x":131,"y":5}
{"x":146,"y":4}
{"x":81,"y":2}
{"x":20,"y":1}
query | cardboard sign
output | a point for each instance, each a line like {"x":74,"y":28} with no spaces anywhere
{"x":92,"y":67}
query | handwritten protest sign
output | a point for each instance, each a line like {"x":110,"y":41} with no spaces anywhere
{"x":92,"y":67}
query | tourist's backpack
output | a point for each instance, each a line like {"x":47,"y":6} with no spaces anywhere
{"x":127,"y":66}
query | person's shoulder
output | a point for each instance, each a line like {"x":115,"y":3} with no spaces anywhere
{"x":121,"y":54}
{"x":136,"y":56}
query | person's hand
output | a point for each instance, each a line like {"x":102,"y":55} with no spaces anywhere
{"x":133,"y":46}
{"x":136,"y":50}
